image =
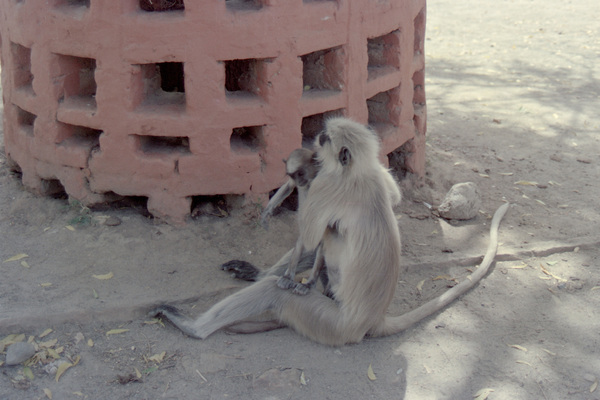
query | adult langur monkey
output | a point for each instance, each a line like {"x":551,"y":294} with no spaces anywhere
{"x":301,"y":168}
{"x":348,"y":210}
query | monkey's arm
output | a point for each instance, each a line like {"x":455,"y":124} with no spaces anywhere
{"x":276,"y":201}
{"x":246,"y":271}
{"x":287,"y":280}
{"x":303,"y":288}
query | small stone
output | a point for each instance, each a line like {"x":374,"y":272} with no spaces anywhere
{"x":584,"y":160}
{"x":112,"y":221}
{"x":462,"y":202}
{"x":556,"y":157}
{"x":19,"y":352}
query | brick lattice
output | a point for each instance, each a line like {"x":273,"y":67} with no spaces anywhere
{"x":171,"y":99}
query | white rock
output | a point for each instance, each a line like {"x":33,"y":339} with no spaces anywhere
{"x":19,"y":352}
{"x":462,"y":202}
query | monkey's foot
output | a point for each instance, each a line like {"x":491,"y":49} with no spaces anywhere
{"x":164,"y":310}
{"x":302,"y":289}
{"x":286,"y":283}
{"x":241,"y":270}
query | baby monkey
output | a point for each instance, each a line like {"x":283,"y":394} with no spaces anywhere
{"x":301,"y":167}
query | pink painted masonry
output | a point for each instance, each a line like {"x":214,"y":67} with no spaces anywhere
{"x":175,"y":99}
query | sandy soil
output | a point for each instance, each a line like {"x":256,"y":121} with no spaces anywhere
{"x":512,"y":92}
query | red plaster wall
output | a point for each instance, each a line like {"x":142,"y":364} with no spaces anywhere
{"x":106,"y":98}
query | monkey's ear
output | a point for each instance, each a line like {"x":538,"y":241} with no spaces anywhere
{"x":284,"y":160}
{"x":344,"y":156}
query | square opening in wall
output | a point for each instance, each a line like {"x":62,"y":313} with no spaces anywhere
{"x":384,"y":54}
{"x":21,"y":56}
{"x":72,"y":3}
{"x":247,"y":139}
{"x":25,"y":119}
{"x":163,"y":144}
{"x":323,"y":70}
{"x":384,"y":110}
{"x":77,"y":76}
{"x":162,"y":5}
{"x":315,"y":124}
{"x":235,"y":5}
{"x":76,"y":135}
{"x":245,"y":78}
{"x":164,"y":84}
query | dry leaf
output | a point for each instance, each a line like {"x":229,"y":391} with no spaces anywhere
{"x":523,"y":362}
{"x":440,"y":277}
{"x":516,"y":346}
{"x":61,"y":369}
{"x":25,"y":264}
{"x":78,"y":394}
{"x":138,"y":374}
{"x":551,"y":263}
{"x":48,"y":393}
{"x":370,"y":373}
{"x":103,"y":277}
{"x":28,"y":374}
{"x":53,"y":353}
{"x":541,"y":202}
{"x":420,"y":285}
{"x":45,"y":333}
{"x":595,"y":288}
{"x":484,"y":175}
{"x":17,"y":257}
{"x":302,"y":379}
{"x":90,"y":343}
{"x":46,"y":284}
{"x":70,"y":227}
{"x":95,"y":293}
{"x":116,"y":331}
{"x":483,"y":394}
{"x":506,"y":173}
{"x":158,"y":357}
{"x":549,"y":352}
{"x":526,"y":183}
{"x":49,"y":343}
{"x":593,"y":387}
{"x":558,"y":278}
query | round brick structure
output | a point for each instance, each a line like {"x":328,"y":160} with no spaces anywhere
{"x":172,"y":99}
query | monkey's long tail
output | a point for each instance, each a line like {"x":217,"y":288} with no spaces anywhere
{"x":397,"y":324}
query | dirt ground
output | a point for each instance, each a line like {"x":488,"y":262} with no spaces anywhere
{"x":512,"y":95}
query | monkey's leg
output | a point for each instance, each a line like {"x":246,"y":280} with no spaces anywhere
{"x":253,"y":300}
{"x":303,"y":288}
{"x":287,"y":280}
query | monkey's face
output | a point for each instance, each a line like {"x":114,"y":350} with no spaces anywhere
{"x":345,"y":143}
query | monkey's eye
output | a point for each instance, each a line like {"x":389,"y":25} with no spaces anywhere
{"x":301,"y":174}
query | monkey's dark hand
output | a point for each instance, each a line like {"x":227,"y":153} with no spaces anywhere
{"x":286,"y":283}
{"x":241,"y":270}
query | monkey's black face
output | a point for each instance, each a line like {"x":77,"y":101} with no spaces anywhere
{"x":300,"y":177}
